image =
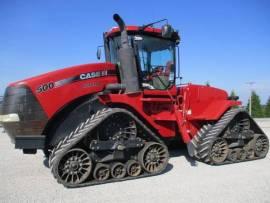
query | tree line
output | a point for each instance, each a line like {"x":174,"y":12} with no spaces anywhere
{"x":257,"y":109}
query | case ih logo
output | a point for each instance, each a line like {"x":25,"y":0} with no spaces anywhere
{"x":90,"y":75}
{"x":83,"y":76}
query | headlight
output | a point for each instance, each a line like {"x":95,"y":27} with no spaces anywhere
{"x":13,"y":117}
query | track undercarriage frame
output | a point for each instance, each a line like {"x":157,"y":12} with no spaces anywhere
{"x":114,"y":145}
{"x":90,"y":155}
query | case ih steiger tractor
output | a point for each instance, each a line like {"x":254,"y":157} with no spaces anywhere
{"x":112,"y":121}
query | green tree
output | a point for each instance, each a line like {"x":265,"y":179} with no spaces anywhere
{"x":256,"y":107}
{"x":207,"y":83}
{"x":233,"y":94}
{"x":267,"y":109}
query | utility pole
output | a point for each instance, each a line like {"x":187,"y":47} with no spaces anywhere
{"x":250,"y":97}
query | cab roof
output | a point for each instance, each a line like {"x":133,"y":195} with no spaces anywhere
{"x":132,"y":28}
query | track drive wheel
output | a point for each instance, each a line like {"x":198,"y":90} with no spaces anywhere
{"x":219,"y":151}
{"x":154,"y":157}
{"x":73,"y":167}
{"x":133,"y":168}
{"x":101,"y":172}
{"x":118,"y":170}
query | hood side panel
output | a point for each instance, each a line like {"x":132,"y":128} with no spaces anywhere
{"x":55,"y":89}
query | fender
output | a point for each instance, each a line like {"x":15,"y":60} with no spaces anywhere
{"x":68,"y":118}
{"x":214,"y":110}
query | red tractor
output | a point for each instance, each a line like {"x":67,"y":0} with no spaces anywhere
{"x":112,"y":121}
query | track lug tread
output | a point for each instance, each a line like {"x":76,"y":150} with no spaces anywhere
{"x":208,"y":133}
{"x":82,"y":130}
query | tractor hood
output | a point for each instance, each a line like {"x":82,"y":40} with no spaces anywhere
{"x":66,"y":73}
{"x":54,"y":90}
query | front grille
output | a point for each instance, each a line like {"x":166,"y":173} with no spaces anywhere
{"x":20,"y":100}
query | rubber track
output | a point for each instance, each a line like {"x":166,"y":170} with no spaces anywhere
{"x":112,"y":180}
{"x":83,"y":129}
{"x":201,"y":144}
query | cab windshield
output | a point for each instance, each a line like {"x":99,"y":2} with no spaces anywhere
{"x":155,"y":56}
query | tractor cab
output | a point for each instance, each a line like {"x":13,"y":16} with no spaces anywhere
{"x":154,"y":51}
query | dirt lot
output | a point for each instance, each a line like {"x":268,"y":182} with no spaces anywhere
{"x":24,"y":178}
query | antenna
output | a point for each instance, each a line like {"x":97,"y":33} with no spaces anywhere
{"x":150,"y":24}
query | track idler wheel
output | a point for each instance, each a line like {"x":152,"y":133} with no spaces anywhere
{"x":250,"y":153}
{"x":250,"y":148}
{"x":118,"y":170}
{"x":74,"y":167}
{"x":154,"y":157}
{"x":242,"y":154}
{"x":101,"y":172}
{"x":261,"y":145}
{"x":233,"y":155}
{"x":219,"y":151}
{"x":133,"y":168}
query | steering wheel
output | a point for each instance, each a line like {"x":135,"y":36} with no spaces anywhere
{"x":157,"y":71}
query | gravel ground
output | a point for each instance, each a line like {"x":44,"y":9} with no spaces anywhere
{"x":24,"y":178}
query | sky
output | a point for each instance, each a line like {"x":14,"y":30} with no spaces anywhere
{"x":226,"y":43}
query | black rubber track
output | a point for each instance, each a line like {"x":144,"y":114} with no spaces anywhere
{"x":94,"y":182}
{"x":200,"y":146}
{"x":83,"y":130}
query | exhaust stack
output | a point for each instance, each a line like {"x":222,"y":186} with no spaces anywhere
{"x":128,"y":69}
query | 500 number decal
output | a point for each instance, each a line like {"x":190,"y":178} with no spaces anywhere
{"x":45,"y":87}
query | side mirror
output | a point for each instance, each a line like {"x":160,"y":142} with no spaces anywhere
{"x":99,"y":52}
{"x":167,"y":31}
